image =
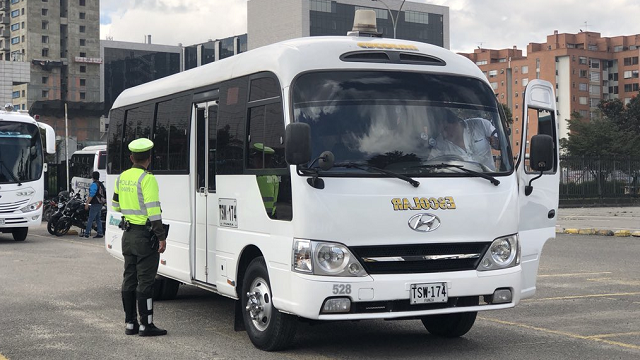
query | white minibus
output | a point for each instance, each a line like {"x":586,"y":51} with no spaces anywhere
{"x":344,"y":178}
{"x":82,"y":165}
{"x":21,"y":171}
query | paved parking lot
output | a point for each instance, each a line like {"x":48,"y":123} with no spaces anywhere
{"x":60,"y":300}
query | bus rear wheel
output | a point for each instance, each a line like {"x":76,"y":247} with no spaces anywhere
{"x":165,"y":288}
{"x":268,"y":328}
{"x":20,"y":234}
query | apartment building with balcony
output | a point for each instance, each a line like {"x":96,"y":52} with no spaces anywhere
{"x":584,"y":67}
{"x":59,"y":42}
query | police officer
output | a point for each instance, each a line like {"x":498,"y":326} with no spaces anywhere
{"x":136,"y":197}
{"x":269,"y":185}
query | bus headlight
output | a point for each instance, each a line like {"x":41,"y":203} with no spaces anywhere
{"x":503,"y":253}
{"x":32,"y":207}
{"x":322,"y":258}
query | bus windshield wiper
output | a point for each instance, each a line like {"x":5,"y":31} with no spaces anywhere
{"x":13,"y":176}
{"x":378,"y":170}
{"x":493,"y":180}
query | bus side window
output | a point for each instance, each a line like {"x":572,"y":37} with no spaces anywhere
{"x":266,"y":130}
{"x":213,"y":120}
{"x":138,"y":124}
{"x":232,"y":114}
{"x":171,"y":135}
{"x":114,"y":156}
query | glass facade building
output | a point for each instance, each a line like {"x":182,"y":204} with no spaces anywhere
{"x":125,"y":68}
{"x":335,"y":18}
{"x":213,"y":50}
{"x":271,"y":21}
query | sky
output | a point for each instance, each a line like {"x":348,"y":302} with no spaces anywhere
{"x":491,"y":24}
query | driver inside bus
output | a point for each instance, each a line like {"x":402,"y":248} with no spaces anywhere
{"x":470,"y":139}
{"x":269,"y":185}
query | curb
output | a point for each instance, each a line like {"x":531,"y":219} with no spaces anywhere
{"x":601,"y":232}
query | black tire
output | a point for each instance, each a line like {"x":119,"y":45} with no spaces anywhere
{"x":46,"y":213}
{"x":165,"y":289}
{"x":62,"y":227}
{"x":20,"y":234}
{"x":51,"y":226}
{"x":270,"y":330}
{"x":451,"y":325}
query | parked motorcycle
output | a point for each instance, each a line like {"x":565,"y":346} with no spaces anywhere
{"x":63,"y":199}
{"x":74,"y":214}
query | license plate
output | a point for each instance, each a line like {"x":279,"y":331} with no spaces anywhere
{"x":428,"y":293}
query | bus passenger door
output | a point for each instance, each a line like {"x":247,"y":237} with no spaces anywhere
{"x":206,"y":199}
{"x":539,"y":202}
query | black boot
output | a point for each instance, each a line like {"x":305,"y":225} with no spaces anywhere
{"x":130,"y":318}
{"x":147,"y":328}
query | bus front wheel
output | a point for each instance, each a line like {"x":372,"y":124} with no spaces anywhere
{"x":449,"y":325}
{"x":20,"y":234}
{"x":268,"y":328}
{"x":452,"y":325}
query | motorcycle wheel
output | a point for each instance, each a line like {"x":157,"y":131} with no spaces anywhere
{"x":51,"y":226}
{"x":46,"y":214}
{"x":62,"y":227}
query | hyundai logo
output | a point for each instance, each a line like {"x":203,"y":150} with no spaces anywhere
{"x":424,"y":222}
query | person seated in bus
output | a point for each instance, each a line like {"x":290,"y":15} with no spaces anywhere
{"x":269,"y":185}
{"x":470,"y":139}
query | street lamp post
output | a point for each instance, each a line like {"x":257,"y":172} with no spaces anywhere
{"x":393,"y":20}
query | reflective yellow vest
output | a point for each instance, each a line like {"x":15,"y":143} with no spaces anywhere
{"x":269,"y":187}
{"x":136,"y":196}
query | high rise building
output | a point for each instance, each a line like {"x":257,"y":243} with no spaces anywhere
{"x":59,"y":41}
{"x":270,"y":21}
{"x":585,"y":68}
{"x":214,"y":50}
{"x":128,"y":64}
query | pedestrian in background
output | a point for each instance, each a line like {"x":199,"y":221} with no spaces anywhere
{"x":97,"y":198}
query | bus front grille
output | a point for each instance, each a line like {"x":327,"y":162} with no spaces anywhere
{"x":10,"y":207}
{"x":422,"y":258}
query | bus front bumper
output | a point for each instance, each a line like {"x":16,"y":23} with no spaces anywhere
{"x":19,"y":220}
{"x":388,"y":296}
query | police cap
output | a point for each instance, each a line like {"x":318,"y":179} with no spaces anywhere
{"x":260,"y":147}
{"x":140,"y":145}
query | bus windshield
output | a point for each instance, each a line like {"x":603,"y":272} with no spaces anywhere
{"x":20,"y":152}
{"x":410,"y":123}
{"x":82,"y":165}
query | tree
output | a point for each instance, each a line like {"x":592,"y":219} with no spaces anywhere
{"x":593,"y":138}
{"x":613,"y":131}
{"x":508,"y":114}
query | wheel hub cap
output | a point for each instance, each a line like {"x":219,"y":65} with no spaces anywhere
{"x":259,"y":305}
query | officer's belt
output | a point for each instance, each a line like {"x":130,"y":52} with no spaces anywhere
{"x":136,"y":226}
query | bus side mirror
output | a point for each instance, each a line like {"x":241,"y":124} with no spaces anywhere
{"x":542,"y":157}
{"x":298,"y":144}
{"x":50,"y":138}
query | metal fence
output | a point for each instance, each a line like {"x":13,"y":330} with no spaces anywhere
{"x":599,"y":177}
{"x":55,"y":178}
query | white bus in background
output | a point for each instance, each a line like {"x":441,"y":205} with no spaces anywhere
{"x":82,"y":165}
{"x":21,"y":171}
{"x":307,"y":179}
